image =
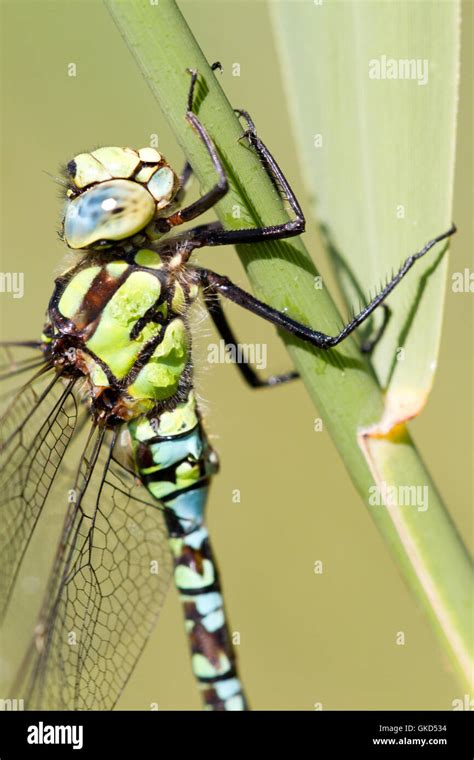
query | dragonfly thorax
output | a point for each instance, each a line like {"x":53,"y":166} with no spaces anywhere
{"x":115,"y":195}
{"x":122,"y":325}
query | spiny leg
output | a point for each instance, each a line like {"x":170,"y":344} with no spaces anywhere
{"x":227,"y":289}
{"x":210,"y":198}
{"x":187,"y":170}
{"x":367,"y":346}
{"x":224,"y":237}
{"x":184,"y":178}
{"x":273,"y":170}
{"x":215,"y":234}
{"x":391,"y":285}
{"x":249,"y":374}
{"x":218,"y":236}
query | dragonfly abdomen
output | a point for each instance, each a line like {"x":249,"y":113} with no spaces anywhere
{"x":175,"y":462}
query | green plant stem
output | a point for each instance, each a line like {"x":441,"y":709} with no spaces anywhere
{"x":428,"y":551}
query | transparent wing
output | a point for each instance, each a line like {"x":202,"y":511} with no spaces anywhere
{"x":109,"y":580}
{"x":18,"y":362}
{"x":16,"y":358}
{"x":36,"y":425}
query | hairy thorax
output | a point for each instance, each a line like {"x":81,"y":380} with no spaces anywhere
{"x":122,"y":325}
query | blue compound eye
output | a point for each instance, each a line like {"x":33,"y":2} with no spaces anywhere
{"x":112,"y":210}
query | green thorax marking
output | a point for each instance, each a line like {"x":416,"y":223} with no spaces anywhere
{"x":128,"y":321}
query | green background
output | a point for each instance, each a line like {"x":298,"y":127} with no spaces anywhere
{"x":305,"y":638}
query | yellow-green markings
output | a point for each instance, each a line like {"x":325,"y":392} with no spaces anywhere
{"x":180,"y":420}
{"x":186,"y":577}
{"x":148,"y":258}
{"x":98,"y":376}
{"x":72,"y":298}
{"x":178,"y":302}
{"x":160,"y":377}
{"x":205,"y":669}
{"x":186,"y":475}
{"x":120,"y":162}
{"x":111,"y":340}
{"x":116,"y":268}
{"x":193,"y":291}
{"x":89,"y":170}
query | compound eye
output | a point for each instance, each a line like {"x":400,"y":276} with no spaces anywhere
{"x":162,"y":186}
{"x":113,"y":210}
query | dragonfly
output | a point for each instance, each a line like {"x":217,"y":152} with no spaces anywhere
{"x":103,"y":417}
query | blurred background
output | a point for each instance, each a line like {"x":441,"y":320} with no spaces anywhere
{"x":305,"y":638}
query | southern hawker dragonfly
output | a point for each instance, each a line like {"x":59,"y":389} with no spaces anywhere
{"x":108,"y":418}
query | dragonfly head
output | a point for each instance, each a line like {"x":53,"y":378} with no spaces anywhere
{"x":114,"y":194}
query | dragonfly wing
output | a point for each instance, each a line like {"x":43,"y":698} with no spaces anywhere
{"x":106,"y":590}
{"x":35,"y":429}
{"x":18,"y":358}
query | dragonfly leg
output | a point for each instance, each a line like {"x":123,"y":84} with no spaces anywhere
{"x":229,"y":290}
{"x":367,"y":346}
{"x":272,"y":232}
{"x":187,"y":170}
{"x":280,"y":182}
{"x":210,"y":198}
{"x":184,"y":178}
{"x":249,"y":374}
